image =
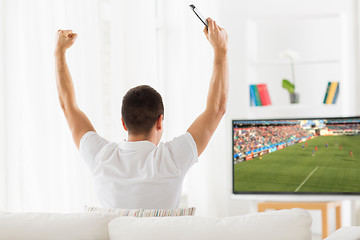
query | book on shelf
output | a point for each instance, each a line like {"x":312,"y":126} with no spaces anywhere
{"x":264,"y":94}
{"x":252,"y":96}
{"x":332,"y":93}
{"x":259,"y":95}
{"x":327,"y":92}
{"x":336,"y":94}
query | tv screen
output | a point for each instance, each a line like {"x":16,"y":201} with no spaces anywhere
{"x":296,"y":156}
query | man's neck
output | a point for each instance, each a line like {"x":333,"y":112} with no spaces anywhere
{"x":136,"y":138}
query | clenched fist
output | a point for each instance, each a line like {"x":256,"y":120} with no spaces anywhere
{"x":64,"y":40}
{"x":217,"y":36}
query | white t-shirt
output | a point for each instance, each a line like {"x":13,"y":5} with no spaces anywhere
{"x":138,"y":174}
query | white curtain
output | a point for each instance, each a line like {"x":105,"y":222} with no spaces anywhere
{"x":121,"y":44}
{"x":40,"y":166}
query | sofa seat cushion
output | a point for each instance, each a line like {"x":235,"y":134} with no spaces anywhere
{"x":275,"y":225}
{"x":51,"y":226}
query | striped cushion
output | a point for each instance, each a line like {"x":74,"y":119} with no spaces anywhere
{"x":144,"y":212}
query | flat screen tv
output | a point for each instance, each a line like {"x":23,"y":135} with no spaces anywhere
{"x":296,"y":156}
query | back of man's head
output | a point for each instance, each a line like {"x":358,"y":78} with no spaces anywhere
{"x":141,"y":108}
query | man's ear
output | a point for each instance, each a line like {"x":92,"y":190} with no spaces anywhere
{"x":123,"y":123}
{"x":160,"y":122}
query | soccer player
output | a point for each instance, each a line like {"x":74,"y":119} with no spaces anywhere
{"x":141,"y":172}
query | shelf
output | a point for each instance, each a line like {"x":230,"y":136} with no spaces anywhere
{"x":321,"y":49}
{"x":293,"y":106}
{"x":273,"y":107}
{"x":320,"y":61}
{"x":295,"y":110}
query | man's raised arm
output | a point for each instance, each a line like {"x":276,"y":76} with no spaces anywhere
{"x":205,"y":125}
{"x":78,"y":122}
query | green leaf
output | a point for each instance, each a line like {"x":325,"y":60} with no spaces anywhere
{"x":288,"y":85}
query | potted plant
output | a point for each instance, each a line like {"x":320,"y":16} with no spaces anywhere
{"x":286,"y":84}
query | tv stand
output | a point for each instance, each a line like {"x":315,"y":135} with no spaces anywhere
{"x":323,"y":206}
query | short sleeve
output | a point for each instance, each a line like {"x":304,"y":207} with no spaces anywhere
{"x":183,"y":151}
{"x":90,"y":148}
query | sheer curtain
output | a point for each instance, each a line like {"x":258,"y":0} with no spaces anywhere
{"x":121,"y":44}
{"x":40,"y":166}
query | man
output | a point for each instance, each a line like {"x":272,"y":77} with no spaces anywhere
{"x":351,"y":153}
{"x":141,"y":173}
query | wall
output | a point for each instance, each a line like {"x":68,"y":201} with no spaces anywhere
{"x":2,"y":98}
{"x":233,"y":16}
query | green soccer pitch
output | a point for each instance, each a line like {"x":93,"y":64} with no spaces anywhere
{"x":293,"y":169}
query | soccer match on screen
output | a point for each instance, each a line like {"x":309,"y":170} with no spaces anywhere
{"x":297,"y":156}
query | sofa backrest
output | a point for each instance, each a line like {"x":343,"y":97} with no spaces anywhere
{"x":50,"y":226}
{"x":274,"y":225}
{"x":292,"y":224}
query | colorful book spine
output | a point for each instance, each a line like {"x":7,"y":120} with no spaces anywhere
{"x":267,"y":96}
{"x":327,"y":92}
{"x":330,"y":94}
{"x":264,"y":94}
{"x":252,"y":95}
{"x":260,"y":88}
{"x":259,"y":95}
{"x":336,"y":93}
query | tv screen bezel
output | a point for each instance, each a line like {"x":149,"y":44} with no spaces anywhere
{"x":265,"y":193}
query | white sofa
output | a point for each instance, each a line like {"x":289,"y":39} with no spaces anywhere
{"x":275,"y":225}
{"x":346,"y":233}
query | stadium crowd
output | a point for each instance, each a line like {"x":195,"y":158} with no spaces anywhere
{"x":343,"y":126}
{"x":251,"y":138}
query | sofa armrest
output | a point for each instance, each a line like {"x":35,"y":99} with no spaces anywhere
{"x":348,"y":233}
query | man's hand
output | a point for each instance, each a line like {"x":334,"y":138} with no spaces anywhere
{"x":217,"y":37}
{"x":64,"y":40}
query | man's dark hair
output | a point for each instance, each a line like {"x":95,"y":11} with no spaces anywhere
{"x":141,"y":108}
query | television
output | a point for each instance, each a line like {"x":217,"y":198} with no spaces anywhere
{"x":309,"y":156}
